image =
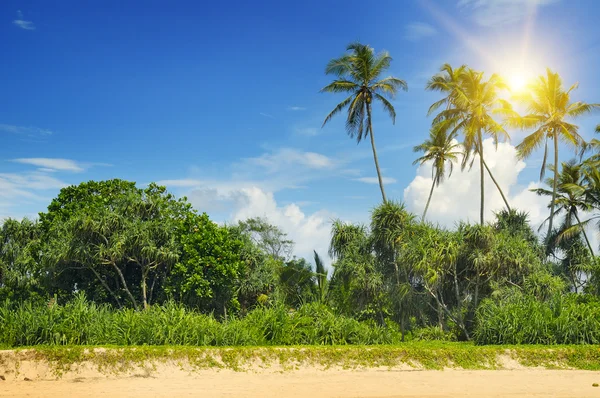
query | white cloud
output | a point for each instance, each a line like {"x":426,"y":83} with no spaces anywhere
{"x":52,"y":163}
{"x":308,"y":231}
{"x":23,"y":24}
{"x":458,"y":197}
{"x":296,"y":108}
{"x":375,"y":180}
{"x":418,"y":30}
{"x":28,"y":131}
{"x":288,"y":157}
{"x":267,"y":115}
{"x":22,"y":191}
{"x":493,"y":13}
{"x":21,"y":184}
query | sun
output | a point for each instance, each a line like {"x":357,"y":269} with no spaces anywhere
{"x":517,"y":82}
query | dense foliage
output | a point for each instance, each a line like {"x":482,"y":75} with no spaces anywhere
{"x":80,"y":322}
{"x":112,"y":263}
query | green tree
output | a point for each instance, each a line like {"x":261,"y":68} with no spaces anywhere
{"x":269,"y":238}
{"x":209,"y":268}
{"x":359,"y":73}
{"x":132,"y":238}
{"x":515,"y":223}
{"x":549,"y":112}
{"x":88,"y":195}
{"x":21,"y":275}
{"x":569,"y":199}
{"x":356,"y":283}
{"x":440,"y":149}
{"x":391,"y":226}
{"x":298,"y":282}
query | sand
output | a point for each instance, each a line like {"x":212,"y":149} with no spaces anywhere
{"x":169,"y":380}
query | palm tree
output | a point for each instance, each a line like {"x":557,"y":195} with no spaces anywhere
{"x":549,"y":107}
{"x":471,"y":104}
{"x":321,"y":275}
{"x":440,"y":148}
{"x":358,"y":73}
{"x":571,"y":197}
{"x":447,"y":81}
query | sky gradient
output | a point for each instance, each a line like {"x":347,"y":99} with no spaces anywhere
{"x":220,"y":101}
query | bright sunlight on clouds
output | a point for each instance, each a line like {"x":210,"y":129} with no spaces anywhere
{"x":457,"y":198}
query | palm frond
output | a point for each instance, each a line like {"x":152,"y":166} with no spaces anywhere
{"x":355,"y":122}
{"x":387,"y":106}
{"x":390,"y":85}
{"x":581,"y":108}
{"x":337,"y":109}
{"x":531,"y":143}
{"x":340,"y":86}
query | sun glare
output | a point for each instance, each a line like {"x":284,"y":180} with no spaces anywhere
{"x":518,"y":73}
{"x":517,"y":82}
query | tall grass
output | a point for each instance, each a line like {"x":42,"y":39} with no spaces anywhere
{"x":523,"y":319}
{"x":80,"y":322}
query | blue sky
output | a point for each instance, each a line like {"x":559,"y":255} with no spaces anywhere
{"x":220,"y":101}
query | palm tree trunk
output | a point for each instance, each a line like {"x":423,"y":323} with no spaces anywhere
{"x":554,"y":183}
{"x":429,"y":199}
{"x":497,"y":185}
{"x":481,"y":208}
{"x":375,"y":153}
{"x":589,"y":245}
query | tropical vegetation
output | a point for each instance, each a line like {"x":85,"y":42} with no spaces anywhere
{"x":110,"y":262}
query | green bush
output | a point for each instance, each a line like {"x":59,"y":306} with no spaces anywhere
{"x":81,"y":322}
{"x":524,"y":319}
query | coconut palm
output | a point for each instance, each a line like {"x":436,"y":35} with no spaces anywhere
{"x":571,"y":198}
{"x":358,"y":72}
{"x":447,"y":81}
{"x":594,"y":146}
{"x":441,"y":149}
{"x":549,"y":110}
{"x":321,"y":276}
{"x":471,"y":104}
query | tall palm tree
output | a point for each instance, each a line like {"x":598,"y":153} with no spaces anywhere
{"x":471,"y":104}
{"x":570,"y":198}
{"x":321,"y":276}
{"x":440,"y":148}
{"x":549,"y":109}
{"x":447,"y":81}
{"x":358,"y":72}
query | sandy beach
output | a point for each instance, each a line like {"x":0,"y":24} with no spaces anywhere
{"x":171,"y":381}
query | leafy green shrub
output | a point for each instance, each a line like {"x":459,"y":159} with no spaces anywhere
{"x":523,"y":319}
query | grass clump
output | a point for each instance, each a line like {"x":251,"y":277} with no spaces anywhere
{"x":81,"y":322}
{"x":523,"y":319}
